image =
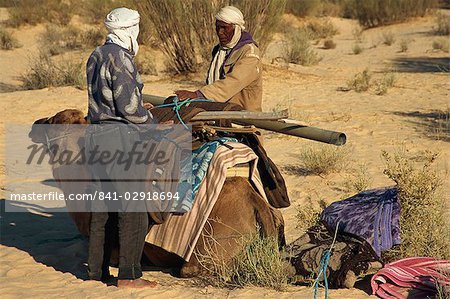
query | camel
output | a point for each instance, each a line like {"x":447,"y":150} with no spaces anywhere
{"x":239,"y":211}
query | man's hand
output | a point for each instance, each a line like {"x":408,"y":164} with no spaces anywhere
{"x":185,"y":94}
{"x":148,"y":106}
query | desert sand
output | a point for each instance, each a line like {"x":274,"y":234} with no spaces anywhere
{"x":43,"y":255}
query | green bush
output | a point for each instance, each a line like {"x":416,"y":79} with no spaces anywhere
{"x":373,"y":13}
{"x":424,"y":227}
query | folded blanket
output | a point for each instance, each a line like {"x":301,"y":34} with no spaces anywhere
{"x":415,"y":277}
{"x":373,"y":215}
{"x":193,"y":175}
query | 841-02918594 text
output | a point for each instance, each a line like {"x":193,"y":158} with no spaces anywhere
{"x":97,"y":195}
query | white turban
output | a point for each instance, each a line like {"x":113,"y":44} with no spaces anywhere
{"x":123,"y":27}
{"x":231,"y":15}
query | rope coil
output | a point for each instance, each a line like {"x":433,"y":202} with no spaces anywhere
{"x":176,"y":104}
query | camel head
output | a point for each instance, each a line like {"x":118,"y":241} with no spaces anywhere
{"x":68,"y":116}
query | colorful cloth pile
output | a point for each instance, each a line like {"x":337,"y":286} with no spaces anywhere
{"x":415,"y":277}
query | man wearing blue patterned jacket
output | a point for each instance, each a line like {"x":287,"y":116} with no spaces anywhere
{"x":115,"y":96}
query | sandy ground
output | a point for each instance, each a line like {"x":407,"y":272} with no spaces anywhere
{"x":42,"y":255}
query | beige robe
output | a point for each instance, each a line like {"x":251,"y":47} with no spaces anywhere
{"x":243,"y":80}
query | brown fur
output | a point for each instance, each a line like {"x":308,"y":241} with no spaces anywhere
{"x":239,"y":211}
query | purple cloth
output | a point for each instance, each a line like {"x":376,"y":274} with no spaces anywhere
{"x":372,"y":215}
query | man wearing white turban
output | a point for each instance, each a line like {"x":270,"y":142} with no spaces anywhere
{"x":115,"y":96}
{"x":235,"y":72}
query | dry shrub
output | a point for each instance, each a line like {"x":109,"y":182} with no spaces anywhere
{"x":174,"y":30}
{"x":386,"y":82}
{"x":329,"y":44}
{"x":186,"y":32}
{"x":8,"y":41}
{"x":146,"y":64}
{"x":357,"y":49}
{"x":58,"y":39}
{"x":308,"y":214}
{"x":441,"y":45}
{"x":298,"y":48}
{"x":33,"y":12}
{"x":46,"y":73}
{"x":358,"y":181}
{"x":260,"y":263}
{"x":424,"y":228}
{"x":357,"y":32}
{"x":94,"y":11}
{"x":7,"y":3}
{"x":360,"y":82}
{"x":303,"y":8}
{"x":321,"y":29}
{"x":442,"y":24}
{"x":322,"y":159}
{"x":261,"y":18}
{"x":93,"y":37}
{"x":440,"y":126}
{"x":388,"y":38}
{"x":373,"y":13}
{"x":404,"y":45}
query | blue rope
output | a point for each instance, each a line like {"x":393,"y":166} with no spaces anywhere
{"x":178,"y":104}
{"x":323,"y":270}
{"x":324,"y":265}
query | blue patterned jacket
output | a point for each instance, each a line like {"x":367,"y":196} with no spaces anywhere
{"x":114,"y":87}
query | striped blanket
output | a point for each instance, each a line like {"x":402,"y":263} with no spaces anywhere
{"x":415,"y":277}
{"x":180,"y":232}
